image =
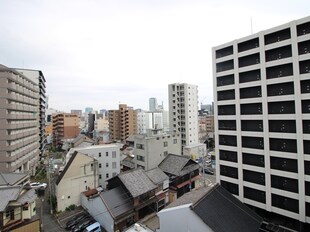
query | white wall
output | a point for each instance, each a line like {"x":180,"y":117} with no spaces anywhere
{"x":181,"y":219}
{"x":94,"y":151}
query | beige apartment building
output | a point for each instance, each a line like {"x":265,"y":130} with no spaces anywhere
{"x":19,"y":121}
{"x":65,"y":126}
{"x":122,"y":122}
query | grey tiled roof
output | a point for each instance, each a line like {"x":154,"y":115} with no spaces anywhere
{"x":117,"y":201}
{"x":156,"y":175}
{"x":11,"y":178}
{"x":28,"y":197}
{"x":137,"y":182}
{"x":8,"y":194}
{"x":178,"y":165}
{"x":222,"y":212}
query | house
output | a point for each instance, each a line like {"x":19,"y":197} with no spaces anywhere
{"x":131,"y":196}
{"x":17,"y":207}
{"x":113,"y":209}
{"x":108,"y":157}
{"x":217,"y":210}
{"x":183,"y":174}
{"x":13,"y":179}
{"x":80,"y":174}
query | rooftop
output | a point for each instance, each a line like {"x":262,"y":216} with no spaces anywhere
{"x":11,"y":178}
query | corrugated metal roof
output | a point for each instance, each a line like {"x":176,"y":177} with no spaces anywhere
{"x":7,"y":194}
{"x":117,"y":201}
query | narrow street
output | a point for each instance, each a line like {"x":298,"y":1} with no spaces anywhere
{"x":48,"y":221}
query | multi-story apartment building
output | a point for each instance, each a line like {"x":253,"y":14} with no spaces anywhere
{"x":108,"y":157}
{"x":122,"y":122}
{"x":151,"y":148}
{"x":20,"y":115}
{"x":183,"y":111}
{"x":65,"y":126}
{"x":262,"y":126}
{"x":38,"y":77}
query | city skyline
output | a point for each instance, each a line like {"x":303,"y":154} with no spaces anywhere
{"x":100,"y":54}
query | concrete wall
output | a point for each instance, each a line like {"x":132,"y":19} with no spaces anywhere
{"x":181,"y":219}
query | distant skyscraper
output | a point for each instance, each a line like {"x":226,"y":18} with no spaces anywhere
{"x":183,"y":111}
{"x":262,"y":126}
{"x":22,"y":119}
{"x":88,"y":110}
{"x":153,"y":104}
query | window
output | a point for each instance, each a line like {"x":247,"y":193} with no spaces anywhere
{"x":107,"y":175}
{"x":165,"y":153}
{"x":166,"y":144}
{"x":25,"y":207}
{"x":100,"y":176}
{"x":140,"y":158}
{"x":140,"y":146}
{"x":99,"y":154}
{"x":92,"y":167}
{"x":175,"y":141}
{"x":107,"y":165}
{"x":113,"y":164}
{"x":69,"y":196}
{"x":113,"y":154}
{"x":107,"y":154}
{"x":100,"y":165}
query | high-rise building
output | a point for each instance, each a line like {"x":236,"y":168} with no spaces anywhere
{"x":20,"y":120}
{"x":262,"y":123}
{"x":183,"y":111}
{"x":38,"y":77}
{"x":88,"y":110}
{"x":65,"y":126}
{"x":153,"y":106}
{"x":122,"y":122}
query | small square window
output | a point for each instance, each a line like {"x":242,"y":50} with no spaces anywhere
{"x":68,"y":197}
{"x":99,"y":154}
{"x":100,"y":165}
{"x":107,"y":165}
{"x":100,"y":176}
{"x":107,"y":154}
{"x":113,"y":154}
{"x":107,"y":175}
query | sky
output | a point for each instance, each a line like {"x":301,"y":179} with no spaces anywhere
{"x":100,"y":53}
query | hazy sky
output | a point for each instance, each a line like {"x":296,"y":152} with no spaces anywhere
{"x":101,"y":53}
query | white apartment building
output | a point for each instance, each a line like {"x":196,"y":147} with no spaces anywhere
{"x":150,"y":149}
{"x":262,"y":119}
{"x":108,"y":157}
{"x":151,"y":120}
{"x":183,"y":111}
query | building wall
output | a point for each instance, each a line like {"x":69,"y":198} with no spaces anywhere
{"x":183,"y":111}
{"x":28,"y":214}
{"x":149,"y":151}
{"x":98,"y":210}
{"x":261,"y":92}
{"x":108,"y":165}
{"x":19,"y":122}
{"x":122,"y":122}
{"x":78,"y":178}
{"x":180,"y":218}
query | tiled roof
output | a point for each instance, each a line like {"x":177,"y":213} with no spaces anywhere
{"x":137,"y":182}
{"x":117,"y":201}
{"x":156,"y":175}
{"x":222,"y":212}
{"x":8,"y":194}
{"x":28,"y":197}
{"x":178,"y":165}
{"x":11,"y":178}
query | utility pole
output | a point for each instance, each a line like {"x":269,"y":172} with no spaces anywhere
{"x":49,"y":182}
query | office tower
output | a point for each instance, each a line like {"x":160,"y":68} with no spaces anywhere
{"x":153,"y":104}
{"x":20,"y":120}
{"x":262,"y":123}
{"x":88,"y":110}
{"x":122,"y":122}
{"x":65,"y":126}
{"x":183,"y":111}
